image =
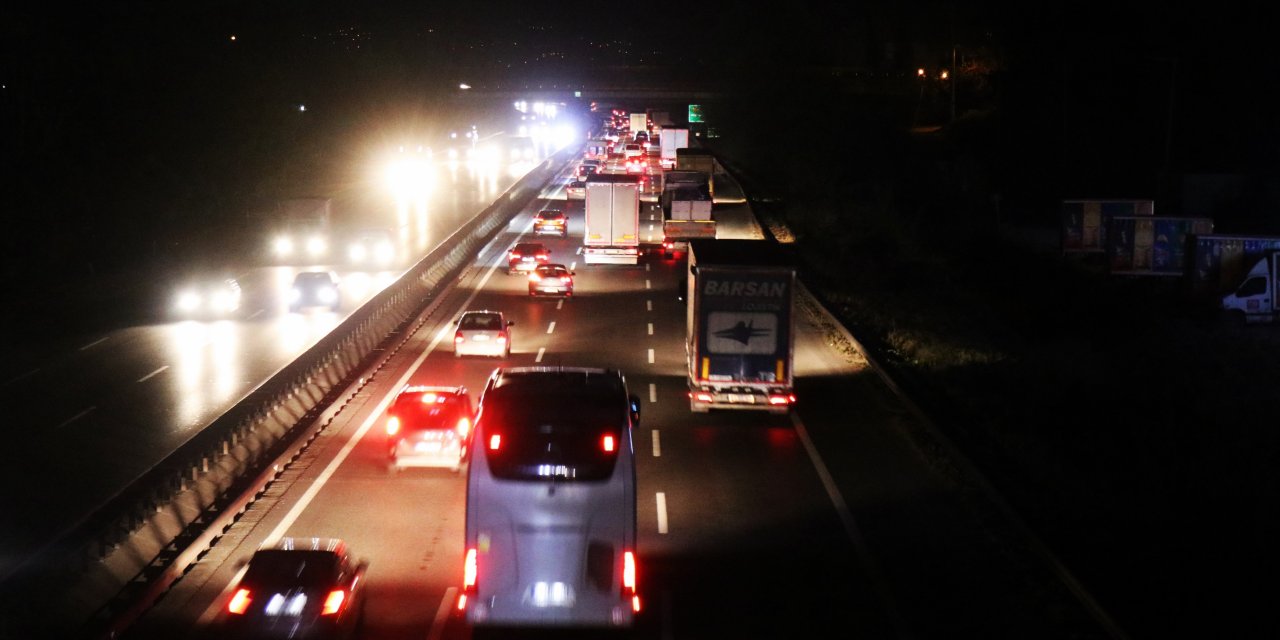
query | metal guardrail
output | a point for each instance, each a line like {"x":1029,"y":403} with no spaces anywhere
{"x":113,"y":564}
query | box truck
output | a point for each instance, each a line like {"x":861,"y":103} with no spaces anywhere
{"x":612,"y":230}
{"x":740,"y":337}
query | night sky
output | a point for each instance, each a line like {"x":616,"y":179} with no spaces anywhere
{"x":131,"y":112}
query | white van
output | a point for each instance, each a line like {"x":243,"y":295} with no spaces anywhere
{"x":551,"y":501}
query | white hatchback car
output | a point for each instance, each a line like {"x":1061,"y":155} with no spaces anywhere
{"x":483,"y":333}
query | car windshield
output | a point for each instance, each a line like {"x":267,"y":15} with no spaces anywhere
{"x":313,"y":278}
{"x":553,"y":271}
{"x":552,"y":434}
{"x":481,"y":322}
{"x":291,"y":567}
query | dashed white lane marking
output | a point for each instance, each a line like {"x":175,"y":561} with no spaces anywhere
{"x":651,"y":356}
{"x":153,"y":374}
{"x":541,"y":350}
{"x":648,"y":284}
{"x":662,"y":512}
{"x":648,"y":304}
{"x":560,"y":303}
{"x":653,"y":392}
{"x":646,"y":266}
{"x":95,"y":343}
{"x":573,"y":265}
{"x":657,"y":445}
{"x":551,"y":327}
{"x":650,"y":328}
{"x":578,"y":252}
{"x":76,"y":417}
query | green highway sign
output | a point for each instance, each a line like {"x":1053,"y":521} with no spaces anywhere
{"x":695,"y":113}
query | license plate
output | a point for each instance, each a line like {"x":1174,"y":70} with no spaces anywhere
{"x":738,"y":397}
{"x":480,"y":338}
{"x":427,"y":446}
{"x":550,"y":289}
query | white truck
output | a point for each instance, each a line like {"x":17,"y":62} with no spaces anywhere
{"x":1257,"y":299}
{"x":669,"y":140}
{"x":639,"y":122}
{"x":303,"y":229}
{"x":686,"y":210}
{"x":611,"y":234}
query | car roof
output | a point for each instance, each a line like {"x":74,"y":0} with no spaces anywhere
{"x":334,"y":545}
{"x":530,"y":245}
{"x":550,"y":266}
{"x":481,"y":312}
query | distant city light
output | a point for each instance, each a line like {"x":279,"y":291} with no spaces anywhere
{"x":233,"y":38}
{"x":302,"y":107}
{"x":464,"y":86}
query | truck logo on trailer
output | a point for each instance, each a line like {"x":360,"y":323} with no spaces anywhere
{"x":742,"y":333}
{"x":765,"y":288}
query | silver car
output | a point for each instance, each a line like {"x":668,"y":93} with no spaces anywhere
{"x":483,"y":333}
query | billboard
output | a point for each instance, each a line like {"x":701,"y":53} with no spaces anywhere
{"x":1149,"y":245}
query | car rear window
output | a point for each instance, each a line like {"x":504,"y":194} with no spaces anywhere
{"x":480,"y":321}
{"x":417,"y":415}
{"x":549,"y":435}
{"x":292,"y":567}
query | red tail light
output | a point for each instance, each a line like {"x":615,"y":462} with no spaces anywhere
{"x":542,"y":257}
{"x":607,"y":443}
{"x":533,"y":277}
{"x":240,"y":602}
{"x":629,"y":579}
{"x":457,"y":337}
{"x":469,"y":571}
{"x":393,"y":425}
{"x":779,"y":399}
{"x":464,"y":427}
{"x":495,"y":441}
{"x":566,"y":279}
{"x":502,"y":338}
{"x":333,"y":603}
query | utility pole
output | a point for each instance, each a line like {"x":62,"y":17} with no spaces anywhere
{"x":955,"y":75}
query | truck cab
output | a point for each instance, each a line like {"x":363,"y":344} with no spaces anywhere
{"x":1256,"y":300}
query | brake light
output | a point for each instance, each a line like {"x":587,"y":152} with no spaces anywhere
{"x":464,"y":427}
{"x":333,"y":603}
{"x":781,"y":399}
{"x":514,"y":255}
{"x":240,"y":602}
{"x":393,"y":425}
{"x":502,"y":338}
{"x":469,"y":571}
{"x":629,"y":571}
{"x":495,"y":441}
{"x":607,"y":443}
{"x":431,"y":397}
{"x":566,"y":279}
{"x":457,"y":338}
{"x":544,"y":257}
{"x":533,"y":277}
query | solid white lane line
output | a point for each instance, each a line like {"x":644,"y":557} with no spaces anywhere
{"x":152,"y":374}
{"x":651,"y":356}
{"x":95,"y":343}
{"x":653,"y":392}
{"x":442,"y":613}
{"x":657,"y":445}
{"x":551,"y":327}
{"x":541,"y":350}
{"x":346,"y":450}
{"x":868,"y":561}
{"x":662,"y":512}
{"x":76,"y":417}
{"x":648,"y":304}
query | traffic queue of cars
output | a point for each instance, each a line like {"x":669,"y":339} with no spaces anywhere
{"x":315,"y":587}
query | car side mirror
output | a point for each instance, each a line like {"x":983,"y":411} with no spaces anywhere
{"x":634,"y":402}
{"x":511,"y":323}
{"x":573,"y":273}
